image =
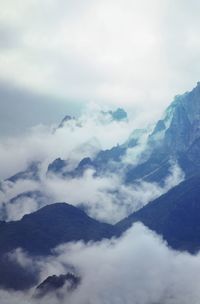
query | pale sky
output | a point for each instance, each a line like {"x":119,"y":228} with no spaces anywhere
{"x":63,"y":53}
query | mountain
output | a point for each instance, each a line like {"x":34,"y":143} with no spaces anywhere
{"x":57,"y":166}
{"x":104,"y":159}
{"x":53,"y":283}
{"x":176,"y":136}
{"x":39,"y":232}
{"x":175,"y":215}
{"x":117,"y":115}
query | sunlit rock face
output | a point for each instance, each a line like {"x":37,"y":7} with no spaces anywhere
{"x":181,"y":123}
{"x":176,"y":137}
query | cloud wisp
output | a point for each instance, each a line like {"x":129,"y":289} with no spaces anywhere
{"x":104,"y":196}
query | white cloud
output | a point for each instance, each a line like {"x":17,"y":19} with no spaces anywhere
{"x":126,"y":52}
{"x":42,"y":144}
{"x":136,"y":268}
{"x":106,"y":197}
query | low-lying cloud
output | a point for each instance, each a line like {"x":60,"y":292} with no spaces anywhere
{"x":136,"y":268}
{"x":91,"y":132}
{"x":104,"y":196}
{"x":107,"y":198}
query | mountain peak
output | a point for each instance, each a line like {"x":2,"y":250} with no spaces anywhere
{"x":118,"y":115}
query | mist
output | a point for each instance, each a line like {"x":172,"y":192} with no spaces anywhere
{"x":104,"y":196}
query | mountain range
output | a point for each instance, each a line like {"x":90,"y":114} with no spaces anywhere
{"x":174,"y":215}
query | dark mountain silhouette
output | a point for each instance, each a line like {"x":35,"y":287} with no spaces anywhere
{"x":175,"y":215}
{"x":41,"y":231}
{"x":53,"y":283}
{"x":38,"y":233}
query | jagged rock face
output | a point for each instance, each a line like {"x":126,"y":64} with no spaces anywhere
{"x":191,"y":102}
{"x":177,"y":137}
{"x":57,"y":166}
{"x":194,"y":151}
{"x":183,"y":117}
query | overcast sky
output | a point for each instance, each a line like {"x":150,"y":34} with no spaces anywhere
{"x":58,"y":55}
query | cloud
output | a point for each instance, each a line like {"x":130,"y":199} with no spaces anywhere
{"x":21,"y":206}
{"x":106,"y":197}
{"x":121,"y":52}
{"x":103,"y":197}
{"x":137,"y":54}
{"x":136,"y":268}
{"x":22,"y":108}
{"x":44,"y":143}
{"x":77,"y":139}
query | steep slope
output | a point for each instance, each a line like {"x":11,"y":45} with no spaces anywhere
{"x":176,"y":136}
{"x":175,"y":215}
{"x":109,"y":159}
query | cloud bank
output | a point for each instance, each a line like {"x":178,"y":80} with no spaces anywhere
{"x":137,"y":268}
